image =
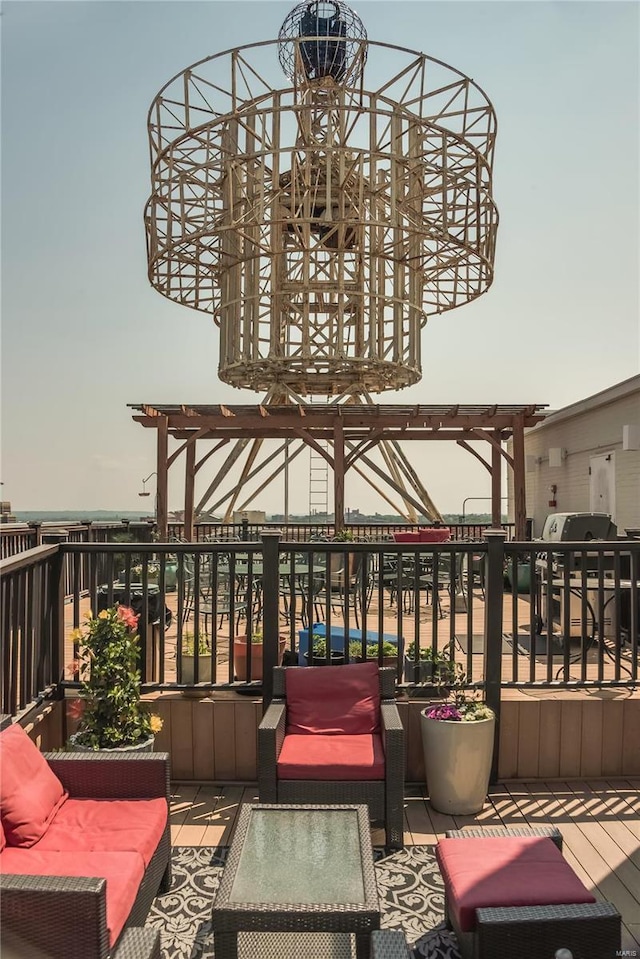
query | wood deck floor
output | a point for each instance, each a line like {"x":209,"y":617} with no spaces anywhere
{"x":600,"y":823}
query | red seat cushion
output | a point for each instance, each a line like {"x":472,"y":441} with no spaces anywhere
{"x":343,"y":758}
{"x":116,"y":825}
{"x":505,"y":871}
{"x":30,"y":792}
{"x":333,"y":700}
{"x":122,"y":870}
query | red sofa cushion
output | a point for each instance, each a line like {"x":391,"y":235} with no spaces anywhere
{"x":115,"y":825}
{"x":319,"y":757}
{"x":505,"y":871}
{"x":122,"y":870}
{"x":30,"y":792}
{"x":336,"y":700}
{"x":3,"y":838}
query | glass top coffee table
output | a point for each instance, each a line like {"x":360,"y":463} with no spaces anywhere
{"x":298,"y":870}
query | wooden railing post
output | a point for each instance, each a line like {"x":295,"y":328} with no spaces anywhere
{"x":494,"y":589}
{"x":58,"y":568}
{"x":270,"y":610}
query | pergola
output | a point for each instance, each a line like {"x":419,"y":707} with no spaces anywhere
{"x":343,"y":435}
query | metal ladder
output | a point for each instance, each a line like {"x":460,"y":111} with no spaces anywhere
{"x":318,"y":482}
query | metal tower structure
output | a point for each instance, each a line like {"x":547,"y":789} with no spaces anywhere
{"x":320,"y":222}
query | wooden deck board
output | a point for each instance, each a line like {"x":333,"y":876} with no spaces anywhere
{"x":600,"y":822}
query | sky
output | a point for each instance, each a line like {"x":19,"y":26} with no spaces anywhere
{"x":83,"y":332}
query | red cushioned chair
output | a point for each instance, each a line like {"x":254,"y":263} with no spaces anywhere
{"x":333,"y":735}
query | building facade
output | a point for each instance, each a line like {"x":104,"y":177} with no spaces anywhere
{"x":586,"y":458}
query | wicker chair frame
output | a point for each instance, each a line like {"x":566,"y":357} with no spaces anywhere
{"x":385,"y":798}
{"x":65,"y":917}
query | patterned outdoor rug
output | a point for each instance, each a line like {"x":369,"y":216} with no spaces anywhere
{"x":409,"y":884}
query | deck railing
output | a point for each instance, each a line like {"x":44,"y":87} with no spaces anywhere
{"x":16,"y":538}
{"x":510,"y":614}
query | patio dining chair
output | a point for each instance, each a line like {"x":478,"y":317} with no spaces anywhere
{"x":332,"y":734}
{"x":348,"y":585}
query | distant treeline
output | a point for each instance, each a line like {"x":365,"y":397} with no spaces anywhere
{"x":113,"y":516}
{"x":77,"y":516}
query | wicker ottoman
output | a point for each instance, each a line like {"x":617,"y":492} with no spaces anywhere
{"x":509,"y":892}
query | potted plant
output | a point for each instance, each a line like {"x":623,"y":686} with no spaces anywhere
{"x":153,"y":573}
{"x":433,"y":667}
{"x":319,"y":653}
{"x":188,"y":656}
{"x":389,"y":652}
{"x":240,"y":657}
{"x":112,"y":714}
{"x":457,"y":741}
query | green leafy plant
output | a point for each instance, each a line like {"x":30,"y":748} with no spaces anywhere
{"x":389,"y":650}
{"x":319,"y":645}
{"x":113,"y":714}
{"x":434,"y":668}
{"x":425,"y":653}
{"x":188,"y":644}
{"x":343,"y":536}
{"x":464,"y":703}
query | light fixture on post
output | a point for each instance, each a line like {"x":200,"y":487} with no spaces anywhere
{"x":145,"y":492}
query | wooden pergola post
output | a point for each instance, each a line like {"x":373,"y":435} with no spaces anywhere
{"x":338,"y":475}
{"x":189,"y":489}
{"x":496,"y":483}
{"x":519,"y":493}
{"x":162,"y":469}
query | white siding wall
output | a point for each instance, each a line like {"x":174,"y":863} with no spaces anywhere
{"x":588,"y":433}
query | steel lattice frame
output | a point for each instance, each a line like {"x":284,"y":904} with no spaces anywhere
{"x":321,"y":224}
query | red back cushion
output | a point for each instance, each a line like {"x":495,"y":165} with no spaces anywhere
{"x":30,"y":793}
{"x":3,"y":838}
{"x":339,"y":700}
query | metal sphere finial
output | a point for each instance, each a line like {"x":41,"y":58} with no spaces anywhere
{"x":321,"y":39}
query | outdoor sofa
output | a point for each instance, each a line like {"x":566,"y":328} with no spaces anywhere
{"x":85,"y":848}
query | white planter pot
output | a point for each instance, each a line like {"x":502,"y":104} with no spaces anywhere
{"x":204,"y":668}
{"x":457,"y":760}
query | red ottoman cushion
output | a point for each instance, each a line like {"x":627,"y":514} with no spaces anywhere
{"x":337,"y":758}
{"x":505,"y":871}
